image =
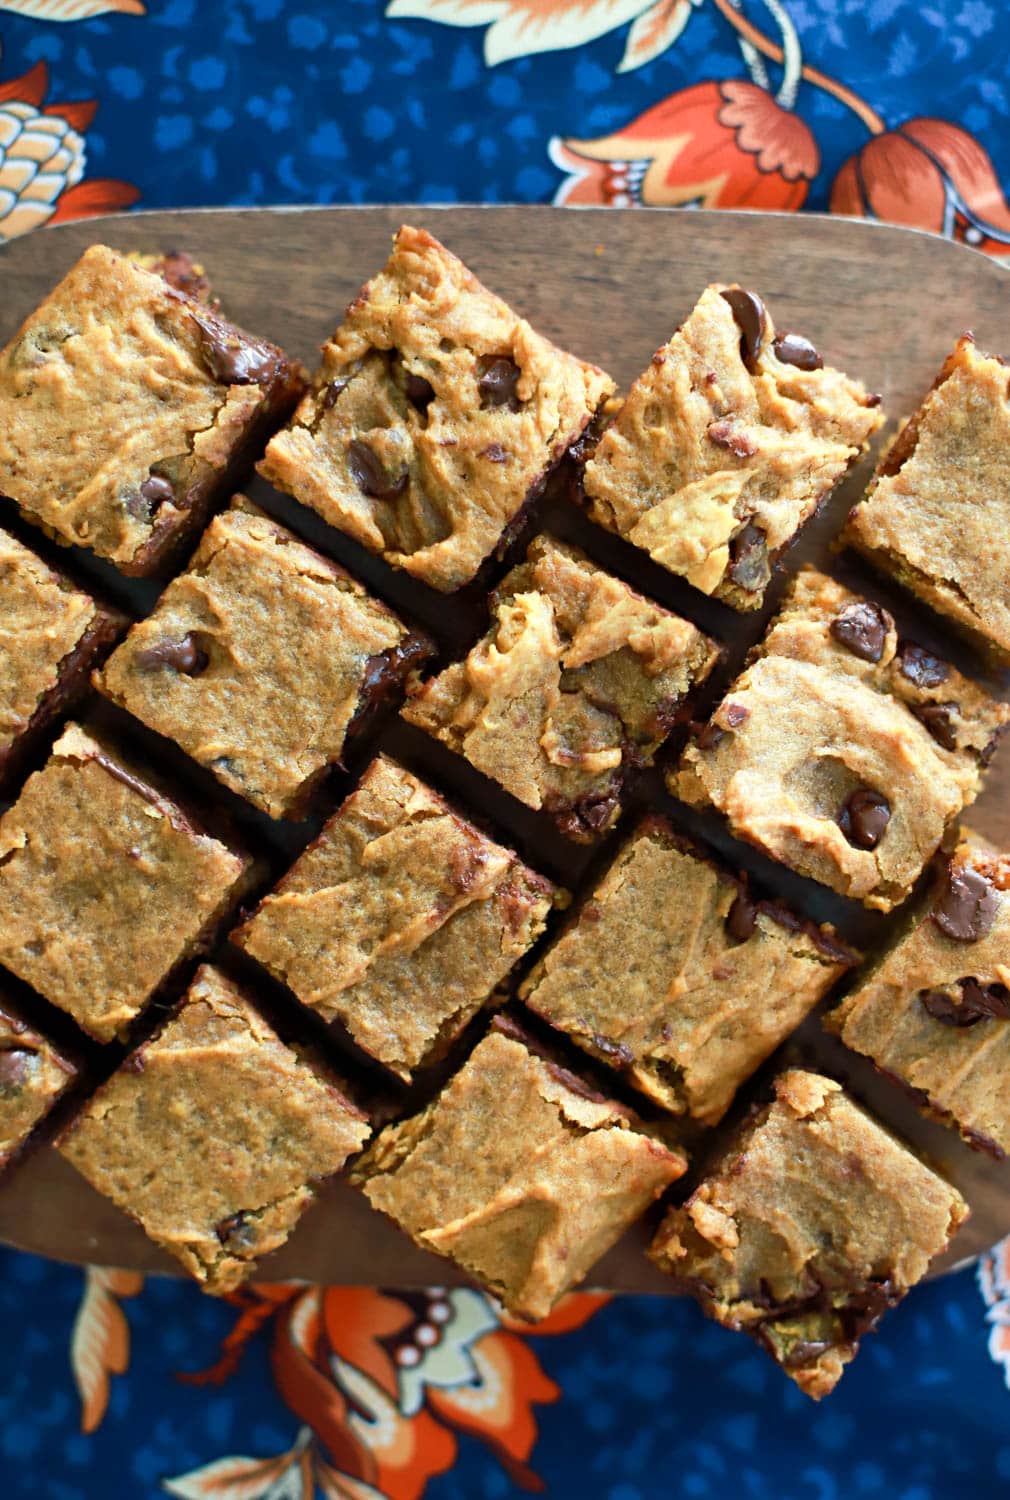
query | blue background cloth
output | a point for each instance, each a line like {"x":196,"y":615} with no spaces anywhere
{"x":271,"y":101}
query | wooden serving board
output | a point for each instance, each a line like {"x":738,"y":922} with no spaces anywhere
{"x":884,"y":303}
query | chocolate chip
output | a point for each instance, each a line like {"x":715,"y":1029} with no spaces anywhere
{"x":418,"y":391}
{"x":805,"y":1352}
{"x":949,"y":1011}
{"x":616,"y":1053}
{"x":862,"y":628}
{"x":495,"y":453}
{"x":749,"y":312}
{"x":709,"y":736}
{"x":748,"y":552}
{"x":370,"y":476}
{"x":741,"y":920}
{"x":235,"y":1232}
{"x":988,"y":999}
{"x":941,"y":721}
{"x":725,"y":435}
{"x":183,"y":656}
{"x":498,"y":381}
{"x":966,"y":907}
{"x":233,"y":360}
{"x":14,"y":1063}
{"x":332,"y":394}
{"x":735,"y":714}
{"x":921,"y":668}
{"x":864,"y":818}
{"x":865,"y":1308}
{"x":157,"y":490}
{"x":794,"y":349}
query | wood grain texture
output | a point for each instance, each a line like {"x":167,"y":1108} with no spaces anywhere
{"x":884,"y":303}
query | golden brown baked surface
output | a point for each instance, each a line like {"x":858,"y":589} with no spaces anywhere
{"x":33,"y":1075}
{"x":49,"y":633}
{"x":213,"y":1133}
{"x":840,"y":750}
{"x":436,"y":413}
{"x":257,"y":659}
{"x":934,"y":1012}
{"x":942,"y":493}
{"x":514,"y":1175}
{"x":709,"y":983}
{"x":576,"y":683}
{"x":725,"y":446}
{"x":399,"y":920}
{"x":813,"y":1225}
{"x":104,"y":884}
{"x":122,"y":402}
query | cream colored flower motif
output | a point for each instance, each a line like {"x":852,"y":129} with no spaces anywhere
{"x":71,"y":10}
{"x":518,"y":28}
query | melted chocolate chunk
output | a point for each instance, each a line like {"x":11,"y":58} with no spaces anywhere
{"x":990,"y":999}
{"x":921,"y":668}
{"x":725,"y":435}
{"x":418,"y":391}
{"x":497,"y":382}
{"x":864,"y":818}
{"x":749,"y":312}
{"x":616,"y":1053}
{"x":370,"y":476}
{"x":14,"y":1062}
{"x":949,"y":1011}
{"x":748,"y":558}
{"x":966,"y":906}
{"x":735,"y":714}
{"x":332,"y":394}
{"x":806,"y":1352}
{"x":862,"y":628}
{"x":233,"y":360}
{"x":941,"y":721}
{"x":183,"y":656}
{"x":794,"y":349}
{"x":741,"y":920}
{"x":157,"y":490}
{"x":236,"y":1232}
{"x":709,"y":736}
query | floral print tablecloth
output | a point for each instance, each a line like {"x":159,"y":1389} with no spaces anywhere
{"x":110,"y":1387}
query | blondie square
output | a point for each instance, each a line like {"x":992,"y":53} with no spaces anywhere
{"x":33,"y":1075}
{"x":517,"y":1173}
{"x":127,"y":408}
{"x":261,"y":660}
{"x":105,"y":884}
{"x":813,"y":1225}
{"x":51,"y":634}
{"x":212,"y":1134}
{"x":400,"y":920}
{"x":934,"y":1012}
{"x":841,"y":751}
{"x":575,"y":685}
{"x":940,"y":495}
{"x":709,"y":980}
{"x":435,"y":417}
{"x":726,"y":445}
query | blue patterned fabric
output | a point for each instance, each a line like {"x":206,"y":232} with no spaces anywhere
{"x":893,"y":108}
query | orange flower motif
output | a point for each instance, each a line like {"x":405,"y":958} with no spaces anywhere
{"x":382,"y":1383}
{"x":714,"y":145}
{"x":42,"y":160}
{"x":931,"y":175}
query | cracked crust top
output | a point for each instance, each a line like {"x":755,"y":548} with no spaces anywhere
{"x":813,"y":1224}
{"x":521,"y":1180}
{"x":711,"y":982}
{"x":399,"y":920}
{"x":725,"y":446}
{"x":211,"y":1135}
{"x":104,"y":884}
{"x":577,"y":682}
{"x":118,"y":397}
{"x":941,"y":493}
{"x":257,"y":659}
{"x":436,"y":413}
{"x":934,"y":1011}
{"x":843,"y":752}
